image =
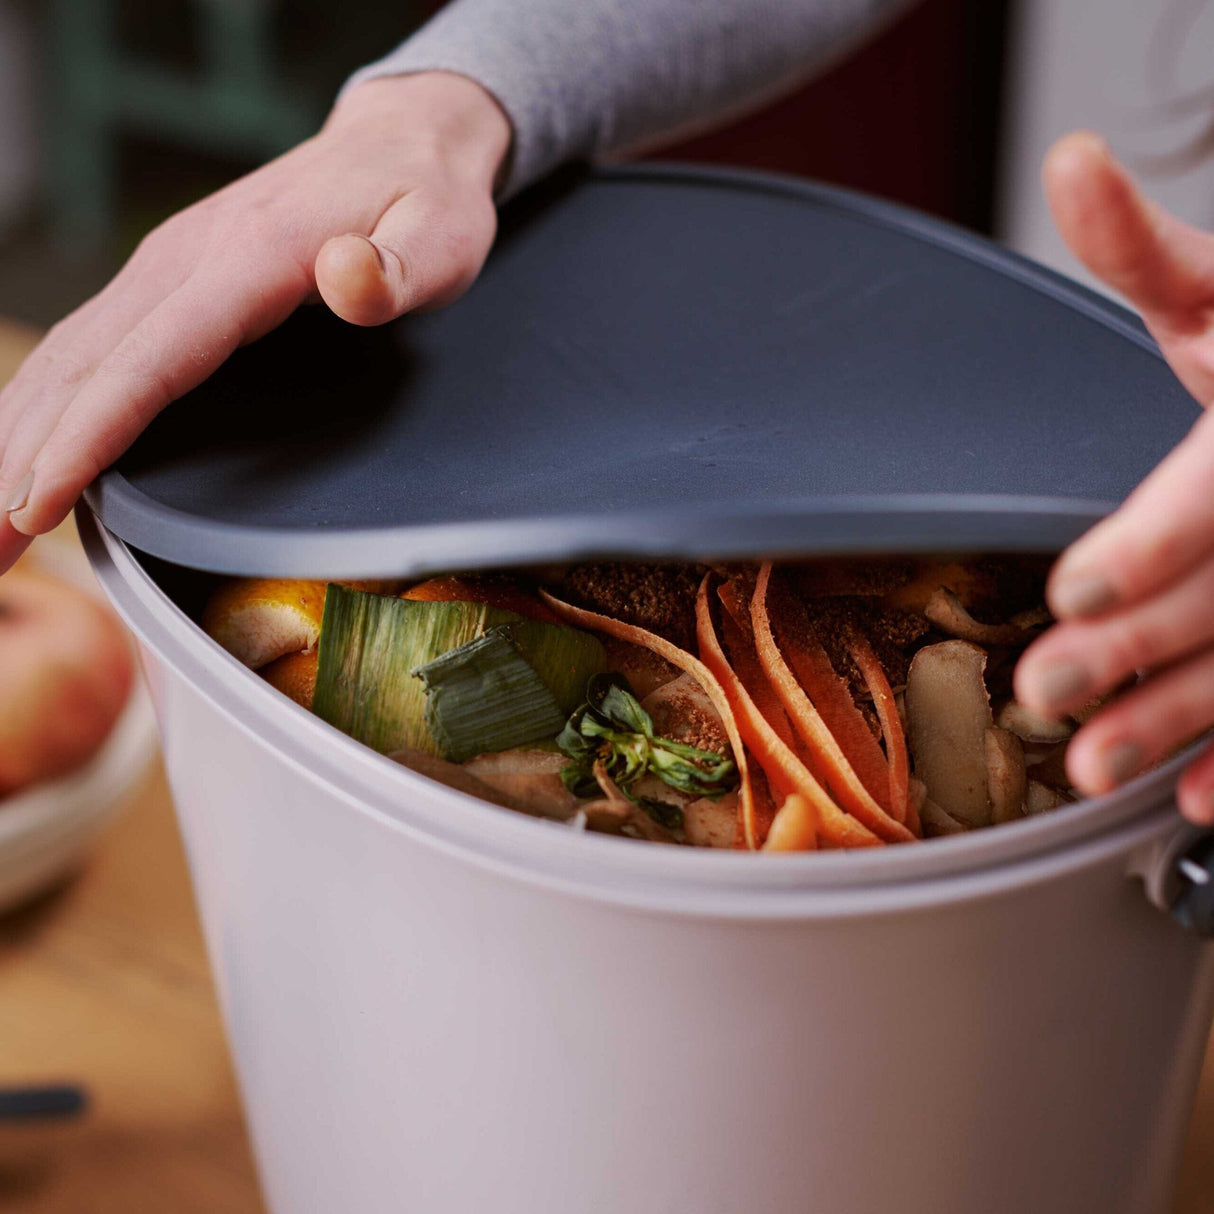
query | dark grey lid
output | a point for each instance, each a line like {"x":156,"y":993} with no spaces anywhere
{"x":675,"y":362}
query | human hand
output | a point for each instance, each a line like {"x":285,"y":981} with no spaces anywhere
{"x":388,"y":208}
{"x":1136,"y":593}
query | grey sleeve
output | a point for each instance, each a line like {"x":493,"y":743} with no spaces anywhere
{"x":596,"y":78}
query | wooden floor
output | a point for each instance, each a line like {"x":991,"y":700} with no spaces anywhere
{"x":105,"y":983}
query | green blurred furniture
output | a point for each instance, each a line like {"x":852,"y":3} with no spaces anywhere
{"x":237,"y":103}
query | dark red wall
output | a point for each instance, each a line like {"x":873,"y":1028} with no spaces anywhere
{"x":913,"y":116}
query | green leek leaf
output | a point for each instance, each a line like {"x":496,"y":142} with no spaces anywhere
{"x":565,"y":658}
{"x":370,"y":644}
{"x":486,"y":697}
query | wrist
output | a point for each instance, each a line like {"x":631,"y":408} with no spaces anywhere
{"x":441,"y":114}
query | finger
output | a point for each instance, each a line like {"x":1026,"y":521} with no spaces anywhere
{"x":1164,"y":528}
{"x":1195,"y":792}
{"x":171,"y":351}
{"x":1143,"y":726}
{"x":1080,"y":659}
{"x":54,"y":373}
{"x":65,"y":358}
{"x":12,"y":544}
{"x":424,"y":251}
{"x":1164,"y":267}
{"x":77,"y":343}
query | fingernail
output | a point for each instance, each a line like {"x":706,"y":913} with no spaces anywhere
{"x":1088,"y":595}
{"x":1124,"y":761}
{"x":1093,"y":142}
{"x":1063,"y":683}
{"x":21,"y":495}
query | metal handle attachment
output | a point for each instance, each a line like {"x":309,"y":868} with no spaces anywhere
{"x":1177,"y":873}
{"x":1193,"y":906}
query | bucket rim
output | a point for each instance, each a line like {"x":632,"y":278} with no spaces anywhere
{"x":620,"y":870}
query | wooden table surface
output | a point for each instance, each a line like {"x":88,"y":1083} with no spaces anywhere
{"x":105,"y":983}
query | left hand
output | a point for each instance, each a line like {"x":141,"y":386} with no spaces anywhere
{"x":1136,"y":593}
{"x":387,"y":209}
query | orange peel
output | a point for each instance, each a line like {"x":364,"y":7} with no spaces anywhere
{"x":294,"y":674}
{"x":452,"y":589}
{"x":259,"y":619}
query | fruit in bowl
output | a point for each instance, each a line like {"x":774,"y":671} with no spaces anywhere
{"x":67,"y":672}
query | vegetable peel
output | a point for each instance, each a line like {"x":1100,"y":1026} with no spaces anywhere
{"x":884,"y":702}
{"x":830,"y":696}
{"x":794,"y":827}
{"x":636,"y":635}
{"x":785,"y":771}
{"x":828,"y":755}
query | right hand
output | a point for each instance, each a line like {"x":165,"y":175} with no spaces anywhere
{"x":1135,"y":595}
{"x":388,"y":208}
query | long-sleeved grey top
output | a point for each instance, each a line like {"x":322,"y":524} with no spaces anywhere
{"x":589,"y":79}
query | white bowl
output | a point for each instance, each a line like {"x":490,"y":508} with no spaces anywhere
{"x":46,"y":829}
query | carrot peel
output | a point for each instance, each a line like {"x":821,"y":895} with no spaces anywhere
{"x":891,"y":726}
{"x":825,"y":750}
{"x":785,"y":771}
{"x":831,"y":698}
{"x":794,"y":827}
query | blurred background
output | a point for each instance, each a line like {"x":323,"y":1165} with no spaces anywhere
{"x":115,"y":113}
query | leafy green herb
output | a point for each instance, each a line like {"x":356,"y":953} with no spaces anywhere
{"x":612,"y":727}
{"x":485,"y":697}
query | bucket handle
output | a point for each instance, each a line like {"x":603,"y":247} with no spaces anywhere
{"x":1178,"y":875}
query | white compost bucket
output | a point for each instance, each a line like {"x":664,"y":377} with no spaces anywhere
{"x":442,"y":1007}
{"x":439,"y":1006}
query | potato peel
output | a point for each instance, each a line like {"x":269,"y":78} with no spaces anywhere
{"x":1028,"y":726}
{"x":1006,"y":775}
{"x":948,"y":714}
{"x":945,"y":610}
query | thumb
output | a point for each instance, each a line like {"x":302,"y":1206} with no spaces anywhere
{"x":1162,"y":266}
{"x":424,"y":251}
